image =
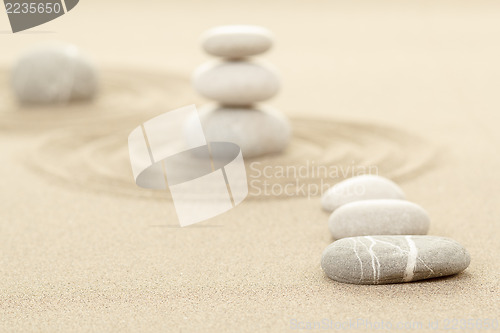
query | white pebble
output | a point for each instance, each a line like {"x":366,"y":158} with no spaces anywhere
{"x":237,"y":41}
{"x":363,"y":187}
{"x":257,"y":131}
{"x":236,"y":83}
{"x":378,"y":217}
{"x":54,"y":73}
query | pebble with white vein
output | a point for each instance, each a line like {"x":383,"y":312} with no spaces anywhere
{"x":393,"y":259}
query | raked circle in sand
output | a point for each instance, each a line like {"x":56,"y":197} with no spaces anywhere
{"x":86,"y":144}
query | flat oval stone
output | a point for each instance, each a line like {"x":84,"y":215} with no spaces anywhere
{"x":236,"y":41}
{"x":378,"y":217}
{"x":393,"y":259}
{"x":236,"y":83}
{"x":365,"y":187}
{"x":257,"y":131}
{"x":54,"y":73}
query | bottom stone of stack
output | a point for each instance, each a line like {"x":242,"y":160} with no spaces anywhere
{"x":257,"y":130}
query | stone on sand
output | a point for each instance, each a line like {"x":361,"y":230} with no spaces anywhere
{"x":393,"y":259}
{"x":257,"y":131}
{"x":365,"y":187}
{"x":54,"y":73}
{"x":378,"y":217}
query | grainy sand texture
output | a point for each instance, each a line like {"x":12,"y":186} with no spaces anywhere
{"x":408,"y":88}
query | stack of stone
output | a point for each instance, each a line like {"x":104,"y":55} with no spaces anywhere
{"x":237,"y":83}
{"x":381,"y":236}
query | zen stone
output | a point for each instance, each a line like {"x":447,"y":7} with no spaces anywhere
{"x":237,"y":41}
{"x":393,"y":259}
{"x":257,"y":131}
{"x":55,"y":73}
{"x":378,"y":217}
{"x":236,"y":83}
{"x":365,"y":187}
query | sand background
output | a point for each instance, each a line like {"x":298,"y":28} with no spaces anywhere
{"x":412,"y":88}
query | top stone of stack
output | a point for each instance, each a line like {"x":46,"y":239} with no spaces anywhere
{"x":237,"y":41}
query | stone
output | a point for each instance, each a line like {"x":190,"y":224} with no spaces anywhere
{"x":54,"y":73}
{"x":365,"y":187}
{"x":378,"y":217}
{"x":393,"y":259}
{"x":236,"y":83}
{"x":257,"y":131}
{"x":236,"y":41}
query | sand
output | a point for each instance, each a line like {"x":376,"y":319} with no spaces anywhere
{"x":411,"y":89}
